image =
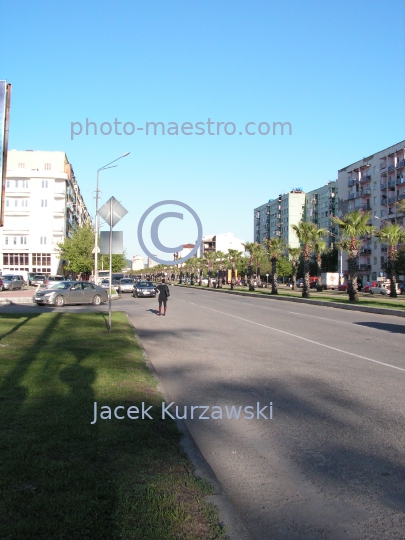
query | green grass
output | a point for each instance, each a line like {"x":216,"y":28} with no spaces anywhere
{"x":63,"y":478}
{"x":365,"y":299}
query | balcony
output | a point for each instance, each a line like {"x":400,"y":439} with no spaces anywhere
{"x":365,"y":178}
{"x":365,"y":207}
{"x":383,"y":166}
{"x":365,"y":193}
{"x":384,"y":249}
{"x":401,"y":196}
{"x":365,"y":251}
{"x":391,"y":167}
{"x":350,"y":183}
{"x":401,"y":163}
{"x":384,"y":201}
{"x":364,"y":267}
{"x":391,"y":200}
{"x":352,"y":195}
{"x":400,"y":180}
{"x":391,"y":183}
{"x":383,"y":186}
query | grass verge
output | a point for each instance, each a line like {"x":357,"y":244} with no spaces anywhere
{"x":63,"y":478}
{"x":327,"y":296}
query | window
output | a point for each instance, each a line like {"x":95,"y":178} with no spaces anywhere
{"x":23,"y":240}
{"x":15,"y":240}
{"x":44,"y":183}
{"x":375,"y":185}
{"x":374,"y":170}
{"x":382,"y":261}
{"x":24,"y":203}
{"x":16,"y":183}
{"x":44,"y":203}
{"x":15,"y":202}
{"x":21,"y":165}
{"x":6,"y":240}
{"x":8,"y":183}
{"x":7,"y":202}
{"x":375,"y":260}
{"x":16,"y":259}
{"x":47,"y":167}
{"x":25,"y":183}
{"x":43,"y":240}
{"x":375,"y":200}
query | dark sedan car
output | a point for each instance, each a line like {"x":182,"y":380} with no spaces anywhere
{"x":71,"y":292}
{"x":144,"y":288}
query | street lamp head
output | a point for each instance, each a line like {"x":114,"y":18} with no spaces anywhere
{"x":126,"y":154}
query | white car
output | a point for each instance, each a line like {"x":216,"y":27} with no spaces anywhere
{"x":383,"y":288}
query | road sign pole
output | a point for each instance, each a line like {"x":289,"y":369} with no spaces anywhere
{"x":109,"y":298}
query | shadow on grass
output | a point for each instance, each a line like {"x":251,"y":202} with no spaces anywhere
{"x":61,"y":476}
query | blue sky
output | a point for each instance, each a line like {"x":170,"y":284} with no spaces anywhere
{"x":334,"y":70}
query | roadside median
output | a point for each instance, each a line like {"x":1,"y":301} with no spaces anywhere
{"x":74,"y":462}
{"x":340,"y":303}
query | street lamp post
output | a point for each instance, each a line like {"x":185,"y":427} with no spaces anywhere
{"x":97,"y":218}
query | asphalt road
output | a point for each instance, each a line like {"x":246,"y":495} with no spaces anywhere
{"x":330,"y":463}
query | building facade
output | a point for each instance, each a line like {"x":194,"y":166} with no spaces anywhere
{"x":43,"y":206}
{"x":320,"y":206}
{"x":221,"y":242}
{"x":275,"y":218}
{"x":373,"y":184}
{"x":138,"y":262}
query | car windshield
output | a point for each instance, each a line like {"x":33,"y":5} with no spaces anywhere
{"x":56,"y":278}
{"x":62,"y":285}
{"x":126,"y":281}
{"x":38,"y":276}
{"x":144,"y":284}
{"x":7,"y":278}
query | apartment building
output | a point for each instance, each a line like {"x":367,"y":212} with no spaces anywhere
{"x":275,"y":218}
{"x":222,"y":242}
{"x":320,"y":206}
{"x":138,"y":262}
{"x":43,"y":206}
{"x":374,"y":184}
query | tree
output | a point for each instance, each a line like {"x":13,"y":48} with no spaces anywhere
{"x":352,"y":226}
{"x":307,"y":234}
{"x":294,"y":253}
{"x":400,"y":262}
{"x":275,"y":248}
{"x":284,"y":267}
{"x":392,"y":234}
{"x":78,"y":250}
{"x":118,"y":262}
{"x":249,"y":247}
{"x":234,"y":257}
{"x":319,"y":247}
{"x":220,"y":259}
{"x":209,"y":258}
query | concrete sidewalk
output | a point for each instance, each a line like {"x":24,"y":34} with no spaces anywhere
{"x":25,"y":296}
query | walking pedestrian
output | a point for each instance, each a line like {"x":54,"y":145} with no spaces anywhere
{"x":164,"y":294}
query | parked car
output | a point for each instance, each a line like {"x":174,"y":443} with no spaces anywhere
{"x":383,"y":288}
{"x":402,"y":287}
{"x":10,"y":282}
{"x":38,"y":279}
{"x":71,"y":292}
{"x":204,"y":281}
{"x":344,"y":286}
{"x":105,"y":283}
{"x":52,"y":280}
{"x":144,"y":288}
{"x":368,"y":285}
{"x":126,"y":285}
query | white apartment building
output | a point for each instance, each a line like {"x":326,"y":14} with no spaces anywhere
{"x":320,"y":206}
{"x":43,"y":206}
{"x":374,"y":184}
{"x":275,"y":218}
{"x":138,"y":262}
{"x":222,"y":242}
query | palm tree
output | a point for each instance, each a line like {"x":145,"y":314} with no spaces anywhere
{"x":319,"y":247}
{"x":220,"y":258}
{"x":275,"y":248}
{"x":353,"y":225}
{"x":249,"y":247}
{"x":234,"y":257}
{"x":392,"y":234}
{"x":210,"y":257}
{"x":307,"y":234}
{"x":294,"y":253}
{"x":192,"y":263}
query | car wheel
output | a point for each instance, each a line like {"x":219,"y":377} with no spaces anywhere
{"x":371,"y":292}
{"x":59,"y":301}
{"x":97,"y":300}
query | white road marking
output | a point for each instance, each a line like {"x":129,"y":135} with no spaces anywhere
{"x":299,"y":337}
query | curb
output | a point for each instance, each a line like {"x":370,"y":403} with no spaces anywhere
{"x":366,"y":309}
{"x":28,"y":300}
